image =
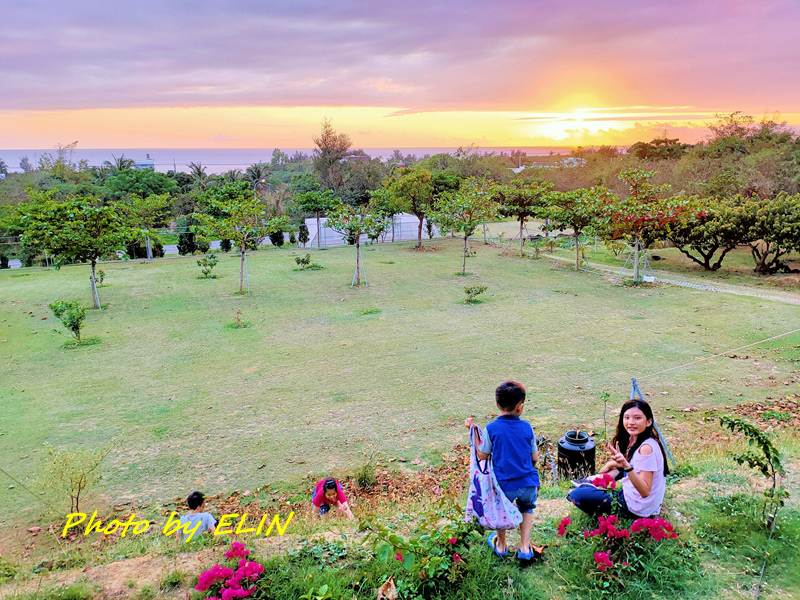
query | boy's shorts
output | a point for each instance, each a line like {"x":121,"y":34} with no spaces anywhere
{"x":525,"y":497}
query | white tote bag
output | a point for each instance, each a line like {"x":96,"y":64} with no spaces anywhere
{"x":486,"y":501}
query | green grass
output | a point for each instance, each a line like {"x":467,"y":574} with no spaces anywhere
{"x":327,"y":373}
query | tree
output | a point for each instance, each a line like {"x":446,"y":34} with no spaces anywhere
{"x":119,"y":164}
{"x":413,"y":192}
{"x":257,"y":175}
{"x":465,"y":209}
{"x":71,"y":314}
{"x":231,"y":212}
{"x":302,"y":234}
{"x":144,"y":183}
{"x":775,"y":232}
{"x":3,"y":167}
{"x":523,"y":200}
{"x":353,"y":222}
{"x":317,"y":202}
{"x":577,"y":210}
{"x":331,"y":149}
{"x":659,"y":149}
{"x":714,"y":225}
{"x":641,"y":216}
{"x":385,"y":205}
{"x":78,"y":229}
{"x":200,"y":179}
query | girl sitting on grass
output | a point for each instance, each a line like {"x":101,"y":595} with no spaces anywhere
{"x":637,"y":458}
{"x":328,"y":493}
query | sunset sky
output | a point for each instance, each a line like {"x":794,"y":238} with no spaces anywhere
{"x":256,"y":73}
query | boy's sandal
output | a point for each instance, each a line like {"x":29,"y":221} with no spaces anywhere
{"x":525,"y":555}
{"x":492,"y":541}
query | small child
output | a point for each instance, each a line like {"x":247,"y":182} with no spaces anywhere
{"x":512,"y":444}
{"x":197,"y":521}
{"x":328,"y":493}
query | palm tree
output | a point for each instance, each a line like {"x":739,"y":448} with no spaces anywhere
{"x":257,"y":175}
{"x":119,"y":164}
{"x":231,"y":176}
{"x":200,"y":179}
{"x":3,"y":167}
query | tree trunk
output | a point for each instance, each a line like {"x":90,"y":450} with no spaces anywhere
{"x":577,"y":253}
{"x":419,"y":231}
{"x":521,"y":237}
{"x":392,"y":228}
{"x":95,"y":295}
{"x":484,"y":234}
{"x":318,"y":232}
{"x":636,"y":261}
{"x":241,"y":268}
{"x":464,"y":256}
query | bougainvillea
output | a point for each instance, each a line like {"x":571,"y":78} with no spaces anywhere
{"x":226,"y":583}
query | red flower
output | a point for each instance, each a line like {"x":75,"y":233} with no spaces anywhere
{"x":456,"y":557}
{"x":398,"y":556}
{"x":452,"y":541}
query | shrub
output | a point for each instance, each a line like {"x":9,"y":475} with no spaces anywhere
{"x":186,"y":244}
{"x":201,"y":244}
{"x":207,"y":264}
{"x":305,"y":264}
{"x":73,"y":471}
{"x":365,"y":475}
{"x":225,"y":245}
{"x":292,"y":238}
{"x":302,"y":234}
{"x":642,"y":559}
{"x":100,"y":277}
{"x":276,"y":238}
{"x":3,"y":261}
{"x":473,"y":292}
{"x":71,"y":314}
{"x":138,"y":248}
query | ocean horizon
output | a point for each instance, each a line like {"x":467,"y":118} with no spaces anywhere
{"x":219,"y":160}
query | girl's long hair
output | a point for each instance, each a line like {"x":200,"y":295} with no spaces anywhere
{"x":623,"y":438}
{"x":329,"y":484}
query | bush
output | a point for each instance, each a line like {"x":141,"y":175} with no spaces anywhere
{"x":202,"y":244}
{"x":302,"y":234}
{"x":225,"y":245}
{"x":305,"y":264}
{"x":186,"y":244}
{"x":71,"y":314}
{"x":100,"y":277}
{"x":473,"y":292}
{"x":207,"y":264}
{"x":276,"y":238}
{"x":74,"y":471}
{"x":4,"y":262}
{"x":292,"y":238}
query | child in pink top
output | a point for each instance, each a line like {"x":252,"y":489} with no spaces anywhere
{"x":327,"y":494}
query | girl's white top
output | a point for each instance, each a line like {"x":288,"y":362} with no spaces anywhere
{"x":646,"y":507}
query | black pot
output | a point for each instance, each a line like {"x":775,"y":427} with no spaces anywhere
{"x":576,"y":453}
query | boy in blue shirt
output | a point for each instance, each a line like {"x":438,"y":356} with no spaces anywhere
{"x":512,"y":444}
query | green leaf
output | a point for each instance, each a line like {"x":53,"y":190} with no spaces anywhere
{"x":408,"y":561}
{"x":383,"y":553}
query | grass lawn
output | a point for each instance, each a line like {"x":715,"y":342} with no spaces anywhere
{"x":327,"y":374}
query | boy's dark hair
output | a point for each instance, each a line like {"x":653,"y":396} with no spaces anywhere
{"x":508,"y":395}
{"x":195,"y":500}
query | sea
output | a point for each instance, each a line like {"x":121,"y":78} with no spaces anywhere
{"x":220,"y":160}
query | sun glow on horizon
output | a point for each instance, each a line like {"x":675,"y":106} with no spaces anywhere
{"x":368,"y":127}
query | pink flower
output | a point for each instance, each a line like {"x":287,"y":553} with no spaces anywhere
{"x":237,"y":551}
{"x":452,"y":540}
{"x":566,"y":521}
{"x":603,"y":561}
{"x":456,"y":557}
{"x":398,"y":556}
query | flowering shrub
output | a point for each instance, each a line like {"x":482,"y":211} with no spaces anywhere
{"x":606,"y":528}
{"x":659,"y":528}
{"x":228,"y":582}
{"x":432,"y":557}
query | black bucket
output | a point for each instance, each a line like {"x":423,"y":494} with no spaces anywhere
{"x":575,"y":455}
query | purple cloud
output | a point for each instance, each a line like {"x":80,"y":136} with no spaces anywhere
{"x":469,"y":55}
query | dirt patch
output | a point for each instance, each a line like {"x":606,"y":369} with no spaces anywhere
{"x":783,"y":413}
